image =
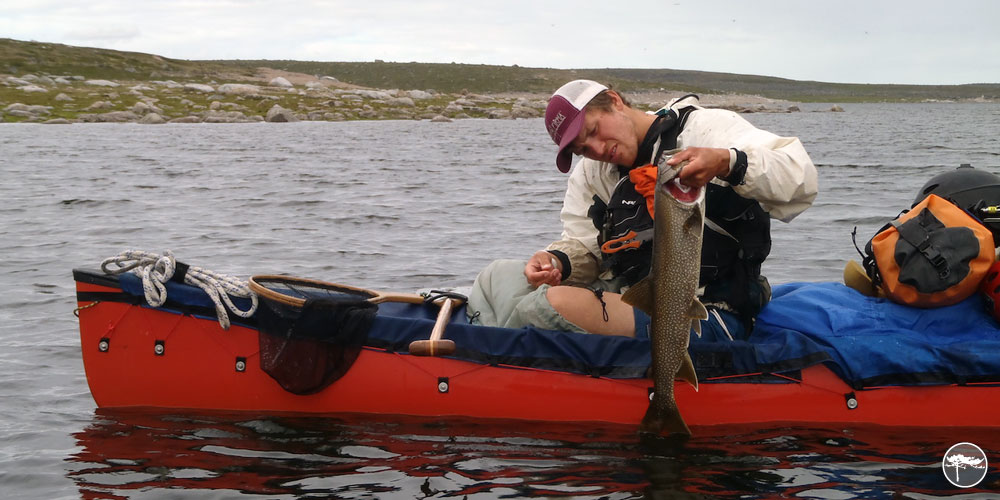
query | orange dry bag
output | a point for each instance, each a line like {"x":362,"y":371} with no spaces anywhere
{"x":933,"y":255}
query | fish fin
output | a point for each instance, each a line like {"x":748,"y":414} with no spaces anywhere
{"x":663,"y":425}
{"x":697,"y":313}
{"x":640,"y":296}
{"x":687,"y":372}
{"x":694,"y":220}
{"x":697,"y":310}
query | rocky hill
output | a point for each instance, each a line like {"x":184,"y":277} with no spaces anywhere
{"x":54,"y":83}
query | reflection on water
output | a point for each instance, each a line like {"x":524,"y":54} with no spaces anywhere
{"x":136,"y":454}
{"x":349,"y":457}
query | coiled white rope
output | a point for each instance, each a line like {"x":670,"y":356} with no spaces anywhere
{"x":156,"y":269}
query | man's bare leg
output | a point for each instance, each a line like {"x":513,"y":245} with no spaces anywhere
{"x":582,"y":307}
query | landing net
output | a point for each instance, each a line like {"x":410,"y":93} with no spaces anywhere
{"x":311,"y":332}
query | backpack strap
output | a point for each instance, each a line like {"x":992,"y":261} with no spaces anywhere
{"x":917,"y":235}
{"x":868,"y":256}
{"x":674,"y":124}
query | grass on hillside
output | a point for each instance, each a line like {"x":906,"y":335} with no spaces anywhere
{"x":20,"y":57}
{"x":456,"y":78}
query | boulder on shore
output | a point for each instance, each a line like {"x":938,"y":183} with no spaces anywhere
{"x":239,"y":89}
{"x":102,"y":83}
{"x":199,"y":87}
{"x":420,"y":94}
{"x":186,"y":119}
{"x":152,"y":119}
{"x":110,"y":117}
{"x":280,"y":81}
{"x":278,"y":114}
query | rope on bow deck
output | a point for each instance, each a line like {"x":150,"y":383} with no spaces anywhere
{"x":157,"y":269}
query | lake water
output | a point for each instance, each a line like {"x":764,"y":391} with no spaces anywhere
{"x":403,"y":206}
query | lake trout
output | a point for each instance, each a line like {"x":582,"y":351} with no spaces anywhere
{"x":669,"y":296}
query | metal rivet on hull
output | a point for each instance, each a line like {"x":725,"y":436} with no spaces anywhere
{"x":852,"y":401}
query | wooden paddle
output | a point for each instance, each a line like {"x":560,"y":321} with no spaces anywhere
{"x":435,"y":345}
{"x":289,"y":282}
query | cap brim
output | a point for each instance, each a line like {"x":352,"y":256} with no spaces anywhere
{"x":564,"y":159}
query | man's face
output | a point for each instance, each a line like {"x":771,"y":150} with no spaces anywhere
{"x":608,"y":136}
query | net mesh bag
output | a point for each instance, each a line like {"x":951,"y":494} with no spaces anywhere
{"x":310,"y":332}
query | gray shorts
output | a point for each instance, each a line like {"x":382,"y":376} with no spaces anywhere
{"x":501,"y":296}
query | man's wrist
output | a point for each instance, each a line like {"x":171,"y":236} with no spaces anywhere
{"x":737,"y":167}
{"x":563,"y":261}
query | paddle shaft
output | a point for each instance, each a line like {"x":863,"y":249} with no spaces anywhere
{"x":409,"y":298}
{"x":374,"y":296}
{"x":435,"y":345}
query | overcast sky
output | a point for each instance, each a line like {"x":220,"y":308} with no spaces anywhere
{"x":853,"y":41}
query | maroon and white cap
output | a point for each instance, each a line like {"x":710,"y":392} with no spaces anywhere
{"x":564,"y":116}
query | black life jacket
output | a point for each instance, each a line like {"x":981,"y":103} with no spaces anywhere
{"x":737,"y":236}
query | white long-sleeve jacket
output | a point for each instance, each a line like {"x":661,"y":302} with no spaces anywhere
{"x":780,"y":176}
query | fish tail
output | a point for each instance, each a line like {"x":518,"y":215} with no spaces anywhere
{"x":663,"y":423}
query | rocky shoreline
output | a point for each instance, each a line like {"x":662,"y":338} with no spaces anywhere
{"x":277,"y":96}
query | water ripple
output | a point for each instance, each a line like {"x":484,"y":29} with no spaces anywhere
{"x":332,"y":201}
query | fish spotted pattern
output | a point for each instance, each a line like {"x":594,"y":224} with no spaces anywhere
{"x":669,"y":296}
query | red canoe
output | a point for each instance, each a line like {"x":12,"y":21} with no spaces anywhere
{"x":139,"y":356}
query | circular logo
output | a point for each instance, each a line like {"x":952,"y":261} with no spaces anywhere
{"x":964,"y":465}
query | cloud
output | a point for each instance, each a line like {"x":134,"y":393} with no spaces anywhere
{"x":854,"y":41}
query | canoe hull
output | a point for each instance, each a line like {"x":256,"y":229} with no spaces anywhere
{"x":199,"y":365}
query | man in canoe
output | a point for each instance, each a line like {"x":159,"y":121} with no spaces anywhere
{"x":574,"y":284}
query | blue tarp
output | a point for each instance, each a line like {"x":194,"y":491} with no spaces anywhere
{"x":873,"y":342}
{"x":867,"y":341}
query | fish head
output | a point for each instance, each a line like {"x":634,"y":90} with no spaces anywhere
{"x":669,"y":183}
